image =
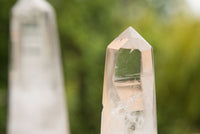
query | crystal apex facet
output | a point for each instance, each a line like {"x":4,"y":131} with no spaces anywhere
{"x":130,"y":39}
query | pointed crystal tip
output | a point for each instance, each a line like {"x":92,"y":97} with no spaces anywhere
{"x":129,"y":33}
{"x":130,"y":39}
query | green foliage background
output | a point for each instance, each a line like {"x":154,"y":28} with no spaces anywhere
{"x":86,"y":27}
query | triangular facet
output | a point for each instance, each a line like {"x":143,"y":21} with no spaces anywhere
{"x":130,"y":39}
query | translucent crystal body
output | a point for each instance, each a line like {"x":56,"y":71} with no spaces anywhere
{"x":36,"y":88}
{"x":129,"y":105}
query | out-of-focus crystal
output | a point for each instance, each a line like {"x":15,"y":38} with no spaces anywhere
{"x":36,"y":88}
{"x":129,"y":105}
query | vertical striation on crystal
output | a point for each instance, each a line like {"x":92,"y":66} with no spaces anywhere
{"x":36,"y":87}
{"x":129,"y":105}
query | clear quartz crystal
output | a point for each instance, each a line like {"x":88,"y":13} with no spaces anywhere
{"x":36,"y":87}
{"x":129,"y":105}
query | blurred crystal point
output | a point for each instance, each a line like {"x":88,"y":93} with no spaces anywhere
{"x":36,"y":87}
{"x":129,"y":105}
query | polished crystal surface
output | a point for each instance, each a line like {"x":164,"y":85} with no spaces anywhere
{"x":36,"y":88}
{"x":129,"y":105}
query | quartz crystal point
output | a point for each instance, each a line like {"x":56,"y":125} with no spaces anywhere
{"x":36,"y":87}
{"x":129,"y":105}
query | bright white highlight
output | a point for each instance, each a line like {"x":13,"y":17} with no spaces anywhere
{"x":195,"y":6}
